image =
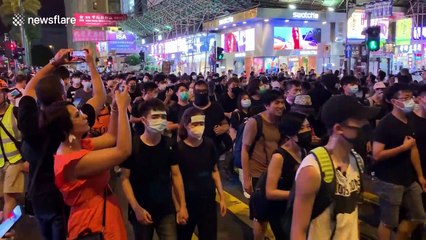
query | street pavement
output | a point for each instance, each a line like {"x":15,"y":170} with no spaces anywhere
{"x":235,"y":225}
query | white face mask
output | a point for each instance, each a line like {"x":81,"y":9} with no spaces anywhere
{"x":275,"y":84}
{"x":87,"y":85}
{"x":197,"y":132}
{"x":162,"y":87}
{"x":246,"y":103}
{"x":156,"y":125}
{"x":145,"y":80}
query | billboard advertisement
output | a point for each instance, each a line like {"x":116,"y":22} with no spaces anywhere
{"x":403,"y":31}
{"x":239,"y":41}
{"x":85,"y":35}
{"x":98,"y":19}
{"x":357,"y":22}
{"x":289,"y":38}
{"x":120,"y":36}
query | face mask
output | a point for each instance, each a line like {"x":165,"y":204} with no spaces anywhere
{"x":197,"y":132}
{"x":408,"y":106}
{"x":236,"y":91}
{"x":363,"y":135}
{"x":202,"y":99}
{"x":353,"y":89}
{"x":304,"y":139}
{"x":194,"y":77}
{"x":246,"y":103}
{"x":87,"y":85}
{"x":244,"y":84}
{"x":156,"y":125}
{"x":155,"y":95}
{"x":162,"y":87}
{"x":276,"y":84}
{"x":184,"y":96}
{"x":262,"y":89}
{"x":132,"y":88}
{"x":76,"y":80}
{"x":145,"y":80}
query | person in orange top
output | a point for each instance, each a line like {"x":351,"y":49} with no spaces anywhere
{"x":82,"y":166}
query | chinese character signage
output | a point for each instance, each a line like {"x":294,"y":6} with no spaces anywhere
{"x":380,"y":9}
{"x":98,"y":19}
{"x":84,"y":35}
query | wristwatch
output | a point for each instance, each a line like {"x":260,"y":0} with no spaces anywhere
{"x":53,"y":62}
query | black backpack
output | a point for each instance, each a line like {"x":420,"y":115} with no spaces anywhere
{"x":238,"y":142}
{"x":326,"y":192}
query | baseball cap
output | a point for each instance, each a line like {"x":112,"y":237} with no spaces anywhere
{"x":3,"y":85}
{"x":379,"y":85}
{"x":340,"y":108}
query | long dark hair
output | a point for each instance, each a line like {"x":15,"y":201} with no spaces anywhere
{"x":186,"y":119}
{"x":55,"y":120}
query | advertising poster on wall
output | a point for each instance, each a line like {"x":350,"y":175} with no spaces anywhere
{"x":239,"y":41}
{"x":289,"y":38}
{"x":403,"y":31}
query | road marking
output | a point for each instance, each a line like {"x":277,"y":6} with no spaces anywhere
{"x":241,"y":211}
{"x":194,"y":237}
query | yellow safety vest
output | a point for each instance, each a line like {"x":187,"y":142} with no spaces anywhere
{"x":9,"y":150}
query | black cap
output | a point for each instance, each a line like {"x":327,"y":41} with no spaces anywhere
{"x":340,"y":108}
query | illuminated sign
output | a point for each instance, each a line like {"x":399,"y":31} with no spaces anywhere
{"x":358,"y":22}
{"x":308,"y":52}
{"x":403,"y":31}
{"x":243,"y":54}
{"x":305,"y":15}
{"x":226,"y":20}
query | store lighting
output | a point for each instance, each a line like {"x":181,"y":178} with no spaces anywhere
{"x":292,"y":6}
{"x":156,"y":29}
{"x":330,"y":9}
{"x":143,"y":40}
{"x":160,"y":37}
{"x":287,"y":20}
{"x":244,"y":22}
{"x":216,"y":29}
{"x":305,"y":21}
{"x":234,"y":25}
{"x":224,"y":27}
{"x":323,"y":23}
{"x":266,"y":20}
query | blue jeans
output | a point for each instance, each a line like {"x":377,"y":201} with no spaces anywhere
{"x":50,"y":211}
{"x":165,"y":228}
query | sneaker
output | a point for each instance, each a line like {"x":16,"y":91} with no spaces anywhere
{"x":246,"y":195}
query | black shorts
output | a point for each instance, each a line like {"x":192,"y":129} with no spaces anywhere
{"x":258,"y":203}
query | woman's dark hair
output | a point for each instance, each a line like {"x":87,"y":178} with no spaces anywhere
{"x":253,"y":87}
{"x":186,"y":119}
{"x":50,"y":90}
{"x":290,"y":124}
{"x":240,"y":96}
{"x":55,"y":120}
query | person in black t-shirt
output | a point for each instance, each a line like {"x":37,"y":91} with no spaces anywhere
{"x":241,"y":115}
{"x":38,"y":148}
{"x":134,"y":90}
{"x":176,"y":110}
{"x":148,"y":175}
{"x":395,"y":154}
{"x":76,"y":84}
{"x":150,"y":91}
{"x":197,"y":158}
{"x":228,"y":101}
{"x":293,"y":88}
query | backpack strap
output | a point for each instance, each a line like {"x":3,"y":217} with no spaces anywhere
{"x":259,"y":132}
{"x":360,"y":165}
{"x":325,"y":164}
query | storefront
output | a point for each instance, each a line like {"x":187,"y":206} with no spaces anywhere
{"x":186,"y":54}
{"x":267,"y":40}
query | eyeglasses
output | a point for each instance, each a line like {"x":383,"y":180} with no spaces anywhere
{"x":405,"y":99}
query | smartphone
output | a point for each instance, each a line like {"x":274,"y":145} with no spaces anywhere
{"x":121,"y":87}
{"x":15,"y":93}
{"x":77,"y":56}
{"x":13,"y":218}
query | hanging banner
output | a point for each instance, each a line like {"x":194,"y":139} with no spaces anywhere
{"x":85,"y":35}
{"x":98,"y":19}
{"x":120,"y":36}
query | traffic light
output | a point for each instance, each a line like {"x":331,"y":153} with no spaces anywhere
{"x":9,"y":48}
{"x":373,"y":38}
{"x":219,"y":53}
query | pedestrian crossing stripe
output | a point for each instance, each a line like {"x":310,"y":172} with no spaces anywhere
{"x":241,"y":211}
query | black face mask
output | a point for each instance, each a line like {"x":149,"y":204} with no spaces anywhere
{"x":304,"y":139}
{"x":201,"y":99}
{"x":363,"y":135}
{"x":236,"y":91}
{"x":132,"y":89}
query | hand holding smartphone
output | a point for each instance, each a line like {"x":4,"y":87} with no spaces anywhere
{"x":11,"y":220}
{"x":77,"y":56}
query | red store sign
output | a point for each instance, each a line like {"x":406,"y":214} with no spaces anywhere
{"x":98,"y":19}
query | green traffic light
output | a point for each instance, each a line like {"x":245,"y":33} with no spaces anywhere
{"x":220,"y":57}
{"x":373,"y":45}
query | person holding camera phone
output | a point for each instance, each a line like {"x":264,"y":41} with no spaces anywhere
{"x":38,"y":148}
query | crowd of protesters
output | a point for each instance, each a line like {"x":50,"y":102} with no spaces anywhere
{"x":301,"y":144}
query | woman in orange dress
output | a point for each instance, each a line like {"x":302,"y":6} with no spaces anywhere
{"x":82,"y":166}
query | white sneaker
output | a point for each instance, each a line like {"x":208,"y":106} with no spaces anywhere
{"x":246,"y":195}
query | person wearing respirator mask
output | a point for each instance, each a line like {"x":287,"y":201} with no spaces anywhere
{"x":395,"y":152}
{"x":82,"y":95}
{"x":197,"y":158}
{"x":156,"y":171}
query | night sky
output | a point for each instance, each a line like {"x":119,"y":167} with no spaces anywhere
{"x":48,"y":8}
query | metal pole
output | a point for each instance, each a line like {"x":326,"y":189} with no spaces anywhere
{"x":348,"y":62}
{"x":24,"y":42}
{"x":367,"y":69}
